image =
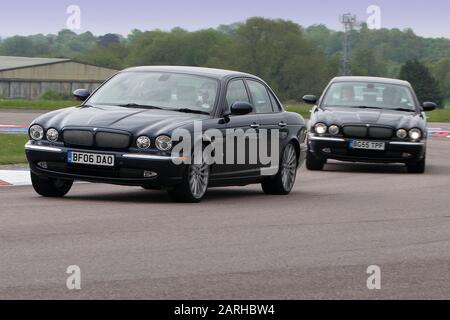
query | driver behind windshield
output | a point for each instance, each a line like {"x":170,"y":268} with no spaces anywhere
{"x":204,"y":98}
{"x":347,"y":94}
{"x":391,"y":97}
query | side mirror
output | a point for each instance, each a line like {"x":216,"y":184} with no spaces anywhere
{"x":310,"y":99}
{"x":81,"y":94}
{"x":241,"y":108}
{"x":429,"y":106}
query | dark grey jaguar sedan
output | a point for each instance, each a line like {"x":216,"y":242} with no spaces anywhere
{"x":181,"y":129}
{"x":367,"y":119}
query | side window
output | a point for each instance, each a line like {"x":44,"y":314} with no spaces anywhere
{"x":276,"y":106}
{"x":260,"y":96}
{"x":236,"y":92}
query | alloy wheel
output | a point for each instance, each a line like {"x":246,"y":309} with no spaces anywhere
{"x":198,"y":179}
{"x":288,"y":167}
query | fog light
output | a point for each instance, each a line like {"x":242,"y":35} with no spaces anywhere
{"x":43,"y":164}
{"x":150,"y":174}
{"x":406,"y":155}
{"x":326,"y":150}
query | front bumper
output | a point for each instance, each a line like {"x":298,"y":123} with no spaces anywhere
{"x":338,"y":149}
{"x":128,"y":170}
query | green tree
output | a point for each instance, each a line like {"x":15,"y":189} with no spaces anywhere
{"x":364,"y":62}
{"x":426,"y":87}
{"x":41,"y":45}
{"x":441,"y":71}
{"x":112,"y":57}
{"x":277,"y":51}
{"x":108,"y":39}
{"x":17,"y":46}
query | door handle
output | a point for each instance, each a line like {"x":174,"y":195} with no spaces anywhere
{"x":282,"y":124}
{"x":254,"y":126}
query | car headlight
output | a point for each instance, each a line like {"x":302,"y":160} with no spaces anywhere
{"x":52,"y":135}
{"x":143,"y":142}
{"x":334,"y":130}
{"x":36,"y":132}
{"x":402,"y":133}
{"x":415,"y":134}
{"x":164,"y":143}
{"x":320,"y":128}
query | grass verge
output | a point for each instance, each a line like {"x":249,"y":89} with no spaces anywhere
{"x":439,"y":115}
{"x":11,"y":148}
{"x":36,"y":104}
{"x":302,"y":109}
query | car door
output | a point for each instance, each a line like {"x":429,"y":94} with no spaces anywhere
{"x":237,"y":91}
{"x":271,"y":119}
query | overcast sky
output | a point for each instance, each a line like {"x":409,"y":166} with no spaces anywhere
{"x":427,"y":18}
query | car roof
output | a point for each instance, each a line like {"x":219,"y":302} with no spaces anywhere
{"x":208,"y":72}
{"x":371,"y":79}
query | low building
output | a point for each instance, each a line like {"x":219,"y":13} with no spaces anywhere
{"x":30,"y":78}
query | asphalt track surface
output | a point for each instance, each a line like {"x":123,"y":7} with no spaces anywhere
{"x":238,"y":243}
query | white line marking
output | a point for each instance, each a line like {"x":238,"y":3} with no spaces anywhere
{"x":16,"y":177}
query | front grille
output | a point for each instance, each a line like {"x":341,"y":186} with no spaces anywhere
{"x":368,"y":132}
{"x":380,"y":133}
{"x":78,"y":138}
{"x":355,"y":131}
{"x":99,"y":139}
{"x":112,"y":140}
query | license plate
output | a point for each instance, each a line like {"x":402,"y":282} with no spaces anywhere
{"x":94,"y":159}
{"x":367,"y":145}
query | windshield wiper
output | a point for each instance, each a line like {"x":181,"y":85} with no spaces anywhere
{"x":137,"y":105}
{"x":187,"y":110}
{"x":367,"y":107}
{"x":143,"y":106}
{"x":404,"y":109}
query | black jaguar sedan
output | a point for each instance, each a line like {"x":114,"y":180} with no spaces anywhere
{"x":367,"y":119}
{"x":181,"y":129}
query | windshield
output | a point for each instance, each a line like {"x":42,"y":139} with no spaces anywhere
{"x":158,"y":90}
{"x":369,"y":95}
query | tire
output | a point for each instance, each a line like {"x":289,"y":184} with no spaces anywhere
{"x":194,"y":185}
{"x":48,"y":187}
{"x":313,"y":163}
{"x":418,"y":167}
{"x":283,"y":182}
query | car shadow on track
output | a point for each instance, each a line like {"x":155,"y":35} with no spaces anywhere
{"x":128,"y":195}
{"x":365,"y":168}
{"x":379,"y":168}
{"x":155,"y":196}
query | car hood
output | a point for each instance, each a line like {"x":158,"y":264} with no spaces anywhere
{"x":133,"y":120}
{"x":393,"y":118}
